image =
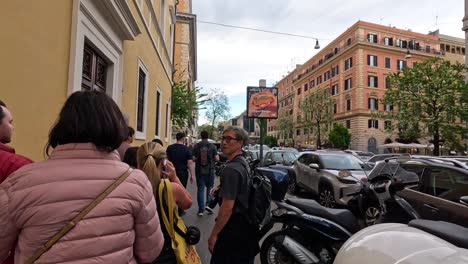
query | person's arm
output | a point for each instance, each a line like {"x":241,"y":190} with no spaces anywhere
{"x":8,"y":231}
{"x":149,"y":239}
{"x":182,"y":197}
{"x":225,"y":211}
{"x":191,"y":166}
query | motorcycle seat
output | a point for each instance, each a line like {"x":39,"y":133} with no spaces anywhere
{"x":342,"y":217}
{"x":452,"y":233}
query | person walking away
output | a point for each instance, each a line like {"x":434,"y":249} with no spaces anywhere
{"x":38,"y":200}
{"x":181,"y":156}
{"x":204,"y":155}
{"x":150,"y":157}
{"x":126,"y":143}
{"x":234,"y":240}
{"x":9,"y":160}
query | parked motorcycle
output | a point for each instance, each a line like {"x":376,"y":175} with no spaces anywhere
{"x":312,"y":233}
{"x":418,"y":242}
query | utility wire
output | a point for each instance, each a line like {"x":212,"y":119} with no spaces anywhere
{"x":256,"y":29}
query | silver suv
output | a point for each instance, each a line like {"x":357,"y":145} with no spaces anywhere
{"x":317,"y":172}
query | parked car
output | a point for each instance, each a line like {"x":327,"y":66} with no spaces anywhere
{"x":379,"y":157}
{"x":281,"y":156}
{"x":317,"y":172}
{"x":362,"y":155}
{"x":439,"y":193}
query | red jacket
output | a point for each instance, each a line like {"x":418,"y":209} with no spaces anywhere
{"x":9,"y":163}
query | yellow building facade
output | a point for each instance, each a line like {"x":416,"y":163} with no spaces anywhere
{"x":52,"y":48}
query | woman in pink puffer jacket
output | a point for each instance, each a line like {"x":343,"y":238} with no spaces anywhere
{"x":38,"y":200}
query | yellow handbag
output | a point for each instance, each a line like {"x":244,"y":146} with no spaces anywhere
{"x":184,"y":252}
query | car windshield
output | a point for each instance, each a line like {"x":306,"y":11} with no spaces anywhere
{"x":393,"y":169}
{"x":284,"y":156}
{"x":341,"y":162}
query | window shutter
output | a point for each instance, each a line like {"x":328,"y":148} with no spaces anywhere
{"x":376,"y":64}
{"x":369,"y":123}
{"x":376,"y":123}
{"x":376,"y":104}
{"x":376,"y":83}
{"x":368,"y":80}
{"x":368,"y":103}
{"x":368,"y":60}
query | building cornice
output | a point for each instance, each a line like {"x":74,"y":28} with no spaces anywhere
{"x":123,"y":17}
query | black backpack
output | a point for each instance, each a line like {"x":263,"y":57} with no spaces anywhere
{"x":259,"y":210}
{"x":205,"y":157}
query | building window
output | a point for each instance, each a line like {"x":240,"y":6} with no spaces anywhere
{"x":141,"y":102}
{"x":388,"y":41}
{"x":372,"y":104}
{"x":326,"y":92}
{"x":372,"y":81}
{"x":388,"y":125}
{"x":334,"y":89}
{"x":387,"y":82}
{"x":372,"y":38}
{"x":234,"y":122}
{"x":388,"y":107}
{"x":306,"y":87}
{"x":348,"y":63}
{"x":335,"y":108}
{"x":349,"y":41}
{"x":373,"y":123}
{"x":158,"y":112}
{"x":348,"y":104}
{"x":347,"y":84}
{"x":167,"y":120}
{"x":326,"y":76}
{"x":428,"y":49}
{"x":298,"y":91}
{"x":388,"y":63}
{"x":348,"y":124}
{"x":401,"y":64}
{"x":312,"y":84}
{"x":319,"y":79}
{"x":94,"y":72}
{"x":372,"y":60}
{"x":335,"y":71}
{"x":298,"y":132}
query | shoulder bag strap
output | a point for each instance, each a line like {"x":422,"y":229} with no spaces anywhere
{"x":168,"y":216}
{"x":71,"y":224}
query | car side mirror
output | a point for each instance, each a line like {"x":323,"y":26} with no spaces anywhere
{"x":464,"y":200}
{"x":314,"y":166}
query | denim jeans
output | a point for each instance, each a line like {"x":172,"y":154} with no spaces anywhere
{"x":204,"y":181}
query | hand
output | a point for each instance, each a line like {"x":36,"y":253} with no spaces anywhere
{"x":170,"y":167}
{"x":212,"y":243}
{"x":213,"y":190}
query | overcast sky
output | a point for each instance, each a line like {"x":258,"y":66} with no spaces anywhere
{"x":231,"y":59}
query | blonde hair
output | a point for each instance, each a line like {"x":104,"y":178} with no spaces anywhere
{"x":149,"y":156}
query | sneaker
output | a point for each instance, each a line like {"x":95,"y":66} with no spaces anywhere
{"x":200,"y":213}
{"x":209,"y":210}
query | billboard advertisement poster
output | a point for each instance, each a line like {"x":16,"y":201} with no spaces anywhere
{"x":262,"y":102}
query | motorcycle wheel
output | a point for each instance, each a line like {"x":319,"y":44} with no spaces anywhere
{"x":270,"y":253}
{"x":371,"y":214}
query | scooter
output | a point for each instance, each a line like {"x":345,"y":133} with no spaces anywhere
{"x":311,"y":233}
{"x":418,"y":242}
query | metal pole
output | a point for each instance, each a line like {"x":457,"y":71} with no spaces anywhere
{"x":261,"y":83}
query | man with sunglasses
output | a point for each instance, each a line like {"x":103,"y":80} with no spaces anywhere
{"x":233,"y":239}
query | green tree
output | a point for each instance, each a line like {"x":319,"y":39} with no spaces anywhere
{"x":431,"y":99}
{"x":185,"y":102}
{"x":270,"y":141}
{"x":339,"y":136}
{"x":285,"y":124}
{"x":317,"y":109}
{"x":217,"y":107}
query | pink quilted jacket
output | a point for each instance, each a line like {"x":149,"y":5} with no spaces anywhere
{"x":37,"y":200}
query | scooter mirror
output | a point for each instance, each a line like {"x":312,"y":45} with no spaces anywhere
{"x":405,"y":157}
{"x":464,"y":200}
{"x":344,"y":173}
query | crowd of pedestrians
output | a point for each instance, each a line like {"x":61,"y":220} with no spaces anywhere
{"x":95,"y":198}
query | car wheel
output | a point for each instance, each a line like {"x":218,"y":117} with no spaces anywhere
{"x":371,"y":215}
{"x":326,"y":197}
{"x":292,"y":187}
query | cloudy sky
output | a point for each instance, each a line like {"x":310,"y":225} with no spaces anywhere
{"x":231,"y":59}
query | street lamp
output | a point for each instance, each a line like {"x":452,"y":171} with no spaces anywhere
{"x":317,"y":46}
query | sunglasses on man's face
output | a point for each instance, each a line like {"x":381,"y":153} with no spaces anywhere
{"x":228,"y":139}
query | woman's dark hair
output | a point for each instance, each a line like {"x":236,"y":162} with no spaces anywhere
{"x":89,"y":117}
{"x":130,"y":157}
